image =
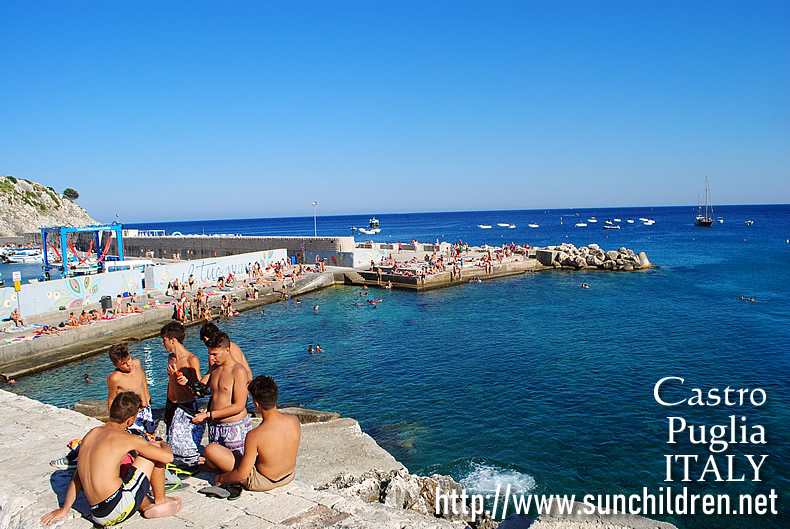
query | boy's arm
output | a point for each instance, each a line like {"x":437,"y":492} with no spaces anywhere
{"x":112,"y":389}
{"x":241,"y":472}
{"x":75,"y":486}
{"x":156,"y":451}
{"x":238,"y":401}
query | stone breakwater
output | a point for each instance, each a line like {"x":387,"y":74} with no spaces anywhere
{"x":592,"y":257}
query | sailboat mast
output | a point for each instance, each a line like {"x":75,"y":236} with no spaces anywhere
{"x":706,"y":198}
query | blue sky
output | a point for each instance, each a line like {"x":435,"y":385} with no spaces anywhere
{"x":199,"y":110}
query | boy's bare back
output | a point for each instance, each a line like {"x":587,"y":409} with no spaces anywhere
{"x":277,"y":443}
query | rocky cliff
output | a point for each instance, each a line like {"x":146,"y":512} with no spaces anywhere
{"x":26,"y":206}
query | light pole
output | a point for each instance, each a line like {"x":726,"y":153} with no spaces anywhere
{"x":315,"y":226}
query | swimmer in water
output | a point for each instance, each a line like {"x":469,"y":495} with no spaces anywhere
{"x":86,"y":378}
{"x":315,"y":308}
{"x":318,"y":349}
{"x":310,"y":349}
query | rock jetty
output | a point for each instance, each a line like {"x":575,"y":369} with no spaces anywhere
{"x":592,"y":257}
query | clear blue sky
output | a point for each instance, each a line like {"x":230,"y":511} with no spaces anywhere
{"x":196,"y":110}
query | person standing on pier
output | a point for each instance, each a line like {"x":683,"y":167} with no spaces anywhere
{"x":183,"y":367}
{"x":129,"y":376}
{"x":228,"y":421}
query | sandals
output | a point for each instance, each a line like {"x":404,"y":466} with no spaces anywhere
{"x":230,"y":491}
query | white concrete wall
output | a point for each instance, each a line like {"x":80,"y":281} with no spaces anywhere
{"x":210,"y":269}
{"x":47,"y":296}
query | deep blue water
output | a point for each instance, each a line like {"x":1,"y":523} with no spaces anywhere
{"x":531,"y":379}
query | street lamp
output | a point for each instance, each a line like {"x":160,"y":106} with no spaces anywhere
{"x":315,"y":226}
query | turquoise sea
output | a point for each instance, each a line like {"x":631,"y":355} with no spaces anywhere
{"x":532,"y":380}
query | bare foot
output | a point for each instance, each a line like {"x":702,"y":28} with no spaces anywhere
{"x":161,"y":510}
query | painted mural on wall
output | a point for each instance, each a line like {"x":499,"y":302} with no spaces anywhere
{"x":68,"y":293}
{"x":363,"y":257}
{"x":211,"y":268}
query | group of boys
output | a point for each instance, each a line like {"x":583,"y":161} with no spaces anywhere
{"x":119,"y":462}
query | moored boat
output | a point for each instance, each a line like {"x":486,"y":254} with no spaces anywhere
{"x":705,"y":221}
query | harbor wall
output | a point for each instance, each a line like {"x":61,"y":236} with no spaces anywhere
{"x":205,"y":246}
{"x":69,"y":293}
{"x":210,"y":269}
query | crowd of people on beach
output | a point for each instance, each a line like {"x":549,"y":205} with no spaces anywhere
{"x":118,"y":463}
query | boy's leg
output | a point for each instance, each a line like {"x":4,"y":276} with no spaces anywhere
{"x":163,"y":505}
{"x":219,"y":458}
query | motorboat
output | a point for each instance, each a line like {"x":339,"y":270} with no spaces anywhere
{"x":581,"y":224}
{"x":611,"y":226}
{"x":630,"y":221}
{"x":503,"y":224}
{"x":644,"y":219}
{"x":534,"y":225}
{"x":608,"y":222}
{"x":649,"y":222}
{"x":25,"y":256}
{"x":373,"y":222}
{"x":371,"y":231}
{"x":484,"y":226}
{"x":592,"y":219}
{"x":618,"y":220}
{"x":720,"y":220}
{"x":749,"y":222}
{"x":511,"y":226}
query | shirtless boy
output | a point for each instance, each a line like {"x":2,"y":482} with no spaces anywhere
{"x":182,"y":367}
{"x":209,"y":329}
{"x":129,"y":376}
{"x":269,"y":459}
{"x":112,"y":498}
{"x":227,"y":414}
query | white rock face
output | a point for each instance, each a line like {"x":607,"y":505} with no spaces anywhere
{"x":27,"y":206}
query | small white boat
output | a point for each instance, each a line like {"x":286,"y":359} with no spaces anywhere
{"x":26,"y":256}
{"x":581,"y":224}
{"x":749,"y":222}
{"x":618,"y":220}
{"x":630,"y":221}
{"x":720,"y":220}
{"x":534,"y":225}
{"x":484,"y":226}
{"x":511,"y":226}
{"x":503,"y":224}
{"x":611,"y":227}
{"x":371,"y":231}
{"x":592,"y":219}
{"x":608,"y":222}
{"x":649,"y":222}
{"x":643,"y":219}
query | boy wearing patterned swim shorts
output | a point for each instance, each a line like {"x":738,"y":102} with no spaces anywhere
{"x":116,"y":491}
{"x":227,"y":417}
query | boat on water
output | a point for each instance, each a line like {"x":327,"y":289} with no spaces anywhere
{"x":630,"y":221}
{"x":720,"y":220}
{"x":611,"y":227}
{"x":644,"y":219}
{"x":592,"y":219}
{"x":618,"y":220}
{"x":25,"y":256}
{"x":581,"y":224}
{"x":705,"y":221}
{"x":503,"y":224}
{"x":534,"y":225}
{"x":511,"y":226}
{"x":649,"y":222}
{"x":484,"y":226}
{"x":373,"y":227}
{"x":749,"y":222}
{"x":608,"y":222}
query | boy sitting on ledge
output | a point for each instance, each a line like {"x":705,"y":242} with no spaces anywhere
{"x":269,"y":459}
{"x":101,"y":464}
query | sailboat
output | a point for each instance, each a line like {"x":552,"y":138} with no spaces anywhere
{"x":706,"y":220}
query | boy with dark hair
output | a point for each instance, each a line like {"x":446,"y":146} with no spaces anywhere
{"x":114,"y":498}
{"x":210,"y":329}
{"x":269,"y":459}
{"x":182,"y":367}
{"x":228,"y":421}
{"x":129,"y":376}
